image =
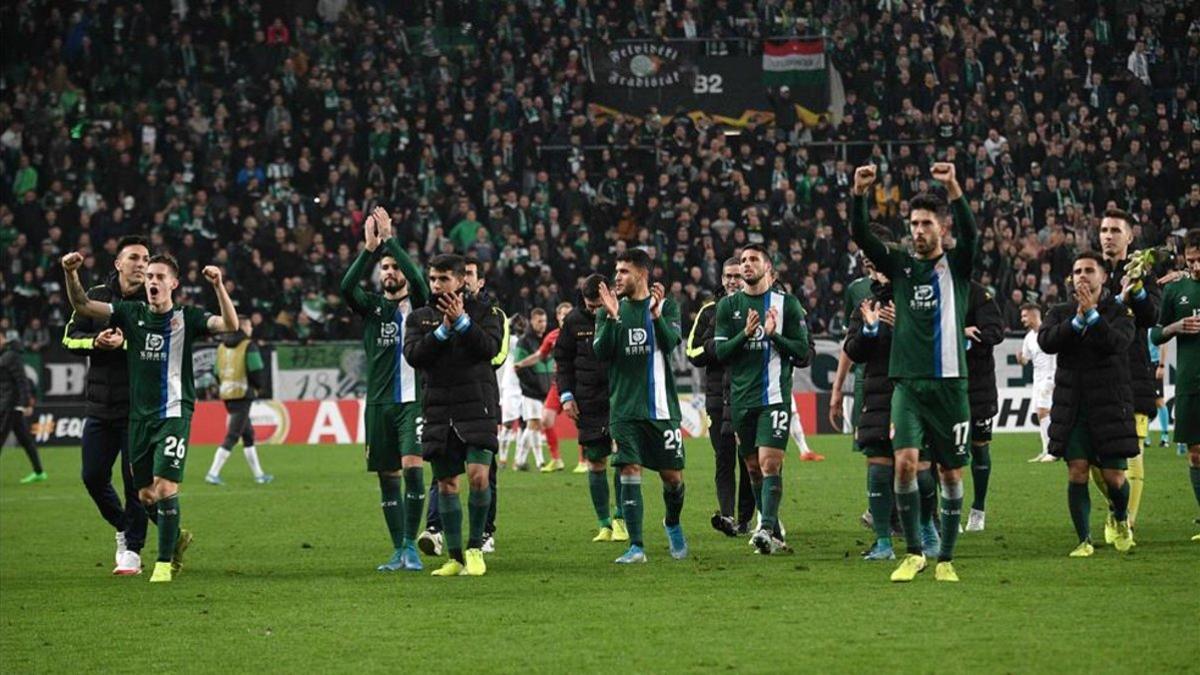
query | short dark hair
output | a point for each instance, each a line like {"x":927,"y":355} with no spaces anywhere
{"x":731,"y":262}
{"x":1191,"y":238}
{"x":928,"y":201}
{"x":536,"y":311}
{"x":1090,"y":255}
{"x":1031,"y":306}
{"x":449,"y":262}
{"x":471,"y":260}
{"x":167,"y":260}
{"x":761,"y":250}
{"x":591,"y":286}
{"x":132,"y":240}
{"x":636,"y":257}
{"x":1121,"y":215}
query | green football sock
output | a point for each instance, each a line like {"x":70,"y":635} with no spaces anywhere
{"x":673,"y":500}
{"x":450,"y":509}
{"x":478,"y":503}
{"x":908,"y":500}
{"x":772,"y":493}
{"x":880,"y":498}
{"x":952,"y":503}
{"x":1079,"y":500}
{"x":927,"y":488}
{"x":598,"y":489}
{"x":618,"y":509}
{"x":168,"y":527}
{"x":631,"y":497}
{"x":414,"y":501}
{"x":393,"y":507}
{"x":981,"y":471}
{"x":1120,"y":501}
{"x":1194,"y":473}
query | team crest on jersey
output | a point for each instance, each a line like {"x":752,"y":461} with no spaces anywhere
{"x":389,"y":330}
{"x":1183,"y":300}
{"x":737,"y":314}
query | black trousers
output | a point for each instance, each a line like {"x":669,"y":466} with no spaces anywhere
{"x":727,"y":464}
{"x":239,"y":424}
{"x":103,"y":442}
{"x":433,"y":519}
{"x":12,"y":421}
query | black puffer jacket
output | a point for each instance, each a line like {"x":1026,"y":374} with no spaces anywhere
{"x":14,"y":386}
{"x":459,"y":394}
{"x":1145,"y":317}
{"x":1093,"y":371}
{"x":875,"y":418}
{"x":107,"y":393}
{"x":984,"y":314}
{"x":581,"y":374}
{"x":535,"y":380}
{"x":702,"y":353}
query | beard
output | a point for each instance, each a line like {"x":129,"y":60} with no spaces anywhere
{"x":750,"y":280}
{"x":393,"y":285}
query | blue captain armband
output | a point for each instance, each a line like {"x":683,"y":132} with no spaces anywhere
{"x":870,"y":329}
{"x":462,"y":324}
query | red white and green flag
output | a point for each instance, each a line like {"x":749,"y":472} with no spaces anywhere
{"x":797,"y":64}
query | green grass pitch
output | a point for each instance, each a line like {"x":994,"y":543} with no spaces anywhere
{"x":282,"y":578}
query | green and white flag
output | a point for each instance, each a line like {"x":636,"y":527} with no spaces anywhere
{"x":795,"y":64}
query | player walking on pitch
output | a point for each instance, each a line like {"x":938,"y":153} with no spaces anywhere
{"x":453,"y":342}
{"x":1091,"y":421}
{"x":1043,"y":375}
{"x":242,"y":377}
{"x":393,"y":413}
{"x":928,"y":359}
{"x":582,"y":381}
{"x":159,"y":338}
{"x":635,"y":334}
{"x":1180,"y":319}
{"x":758,"y":332}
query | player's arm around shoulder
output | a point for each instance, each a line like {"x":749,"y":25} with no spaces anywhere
{"x":79,"y":337}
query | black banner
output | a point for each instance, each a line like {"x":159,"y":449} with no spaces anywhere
{"x":634,"y":77}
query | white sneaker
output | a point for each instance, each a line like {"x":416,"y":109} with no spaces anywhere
{"x":430,"y":543}
{"x":489,"y":544}
{"x":1049,"y":458}
{"x":975,"y":521}
{"x":120,"y":549}
{"x":1040,"y":457}
{"x":129,"y":564}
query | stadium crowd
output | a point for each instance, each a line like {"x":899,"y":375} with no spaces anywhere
{"x":259,"y":140}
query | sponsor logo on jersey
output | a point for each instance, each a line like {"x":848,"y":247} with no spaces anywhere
{"x":389,"y":334}
{"x":152,"y":350}
{"x":923,"y":298}
{"x":638,"y":339}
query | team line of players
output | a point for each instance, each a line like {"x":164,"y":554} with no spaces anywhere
{"x":434,"y":341}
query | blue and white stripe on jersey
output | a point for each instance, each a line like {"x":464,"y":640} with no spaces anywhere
{"x":945,"y":324}
{"x":174,"y":332}
{"x":772,"y":370}
{"x":656,"y":366}
{"x":404,"y":378}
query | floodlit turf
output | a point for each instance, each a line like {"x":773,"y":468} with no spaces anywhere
{"x":282,"y":578}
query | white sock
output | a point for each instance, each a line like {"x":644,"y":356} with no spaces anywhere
{"x":218,"y":461}
{"x":252,"y":459}
{"x":522,"y":448}
{"x":502,"y":454}
{"x":535,"y":440}
{"x":798,"y":433}
{"x":1044,"y":431}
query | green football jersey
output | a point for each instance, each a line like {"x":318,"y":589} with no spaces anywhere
{"x":158,"y":348}
{"x":390,"y":378}
{"x":641,"y":385}
{"x":931,"y":297}
{"x":1181,"y":299}
{"x":760,"y":366}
